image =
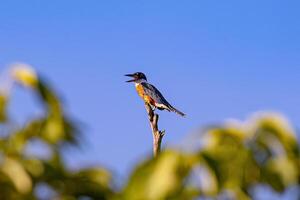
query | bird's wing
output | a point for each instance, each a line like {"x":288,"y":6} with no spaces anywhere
{"x":151,"y":91}
{"x":154,"y":93}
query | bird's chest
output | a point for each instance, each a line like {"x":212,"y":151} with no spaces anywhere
{"x":141,"y":92}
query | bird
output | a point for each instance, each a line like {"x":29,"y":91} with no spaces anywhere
{"x":150,"y":94}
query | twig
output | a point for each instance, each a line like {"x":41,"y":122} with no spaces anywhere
{"x":157,"y":134}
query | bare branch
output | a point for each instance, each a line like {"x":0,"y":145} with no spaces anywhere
{"x":156,"y":133}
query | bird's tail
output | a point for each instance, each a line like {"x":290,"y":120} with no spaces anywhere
{"x":176,"y":111}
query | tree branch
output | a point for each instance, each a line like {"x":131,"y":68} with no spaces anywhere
{"x":156,"y":133}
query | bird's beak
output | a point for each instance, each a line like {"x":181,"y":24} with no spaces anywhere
{"x":130,"y":75}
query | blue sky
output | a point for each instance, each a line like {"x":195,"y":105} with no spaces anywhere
{"x":213,"y":60}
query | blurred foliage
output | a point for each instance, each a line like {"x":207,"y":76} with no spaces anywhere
{"x":27,"y":176}
{"x":229,"y":163}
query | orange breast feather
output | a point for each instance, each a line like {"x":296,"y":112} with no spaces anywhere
{"x":146,"y":98}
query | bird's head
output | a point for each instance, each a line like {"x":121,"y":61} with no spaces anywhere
{"x":137,"y":77}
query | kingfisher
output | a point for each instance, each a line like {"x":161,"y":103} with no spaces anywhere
{"x":150,"y":94}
